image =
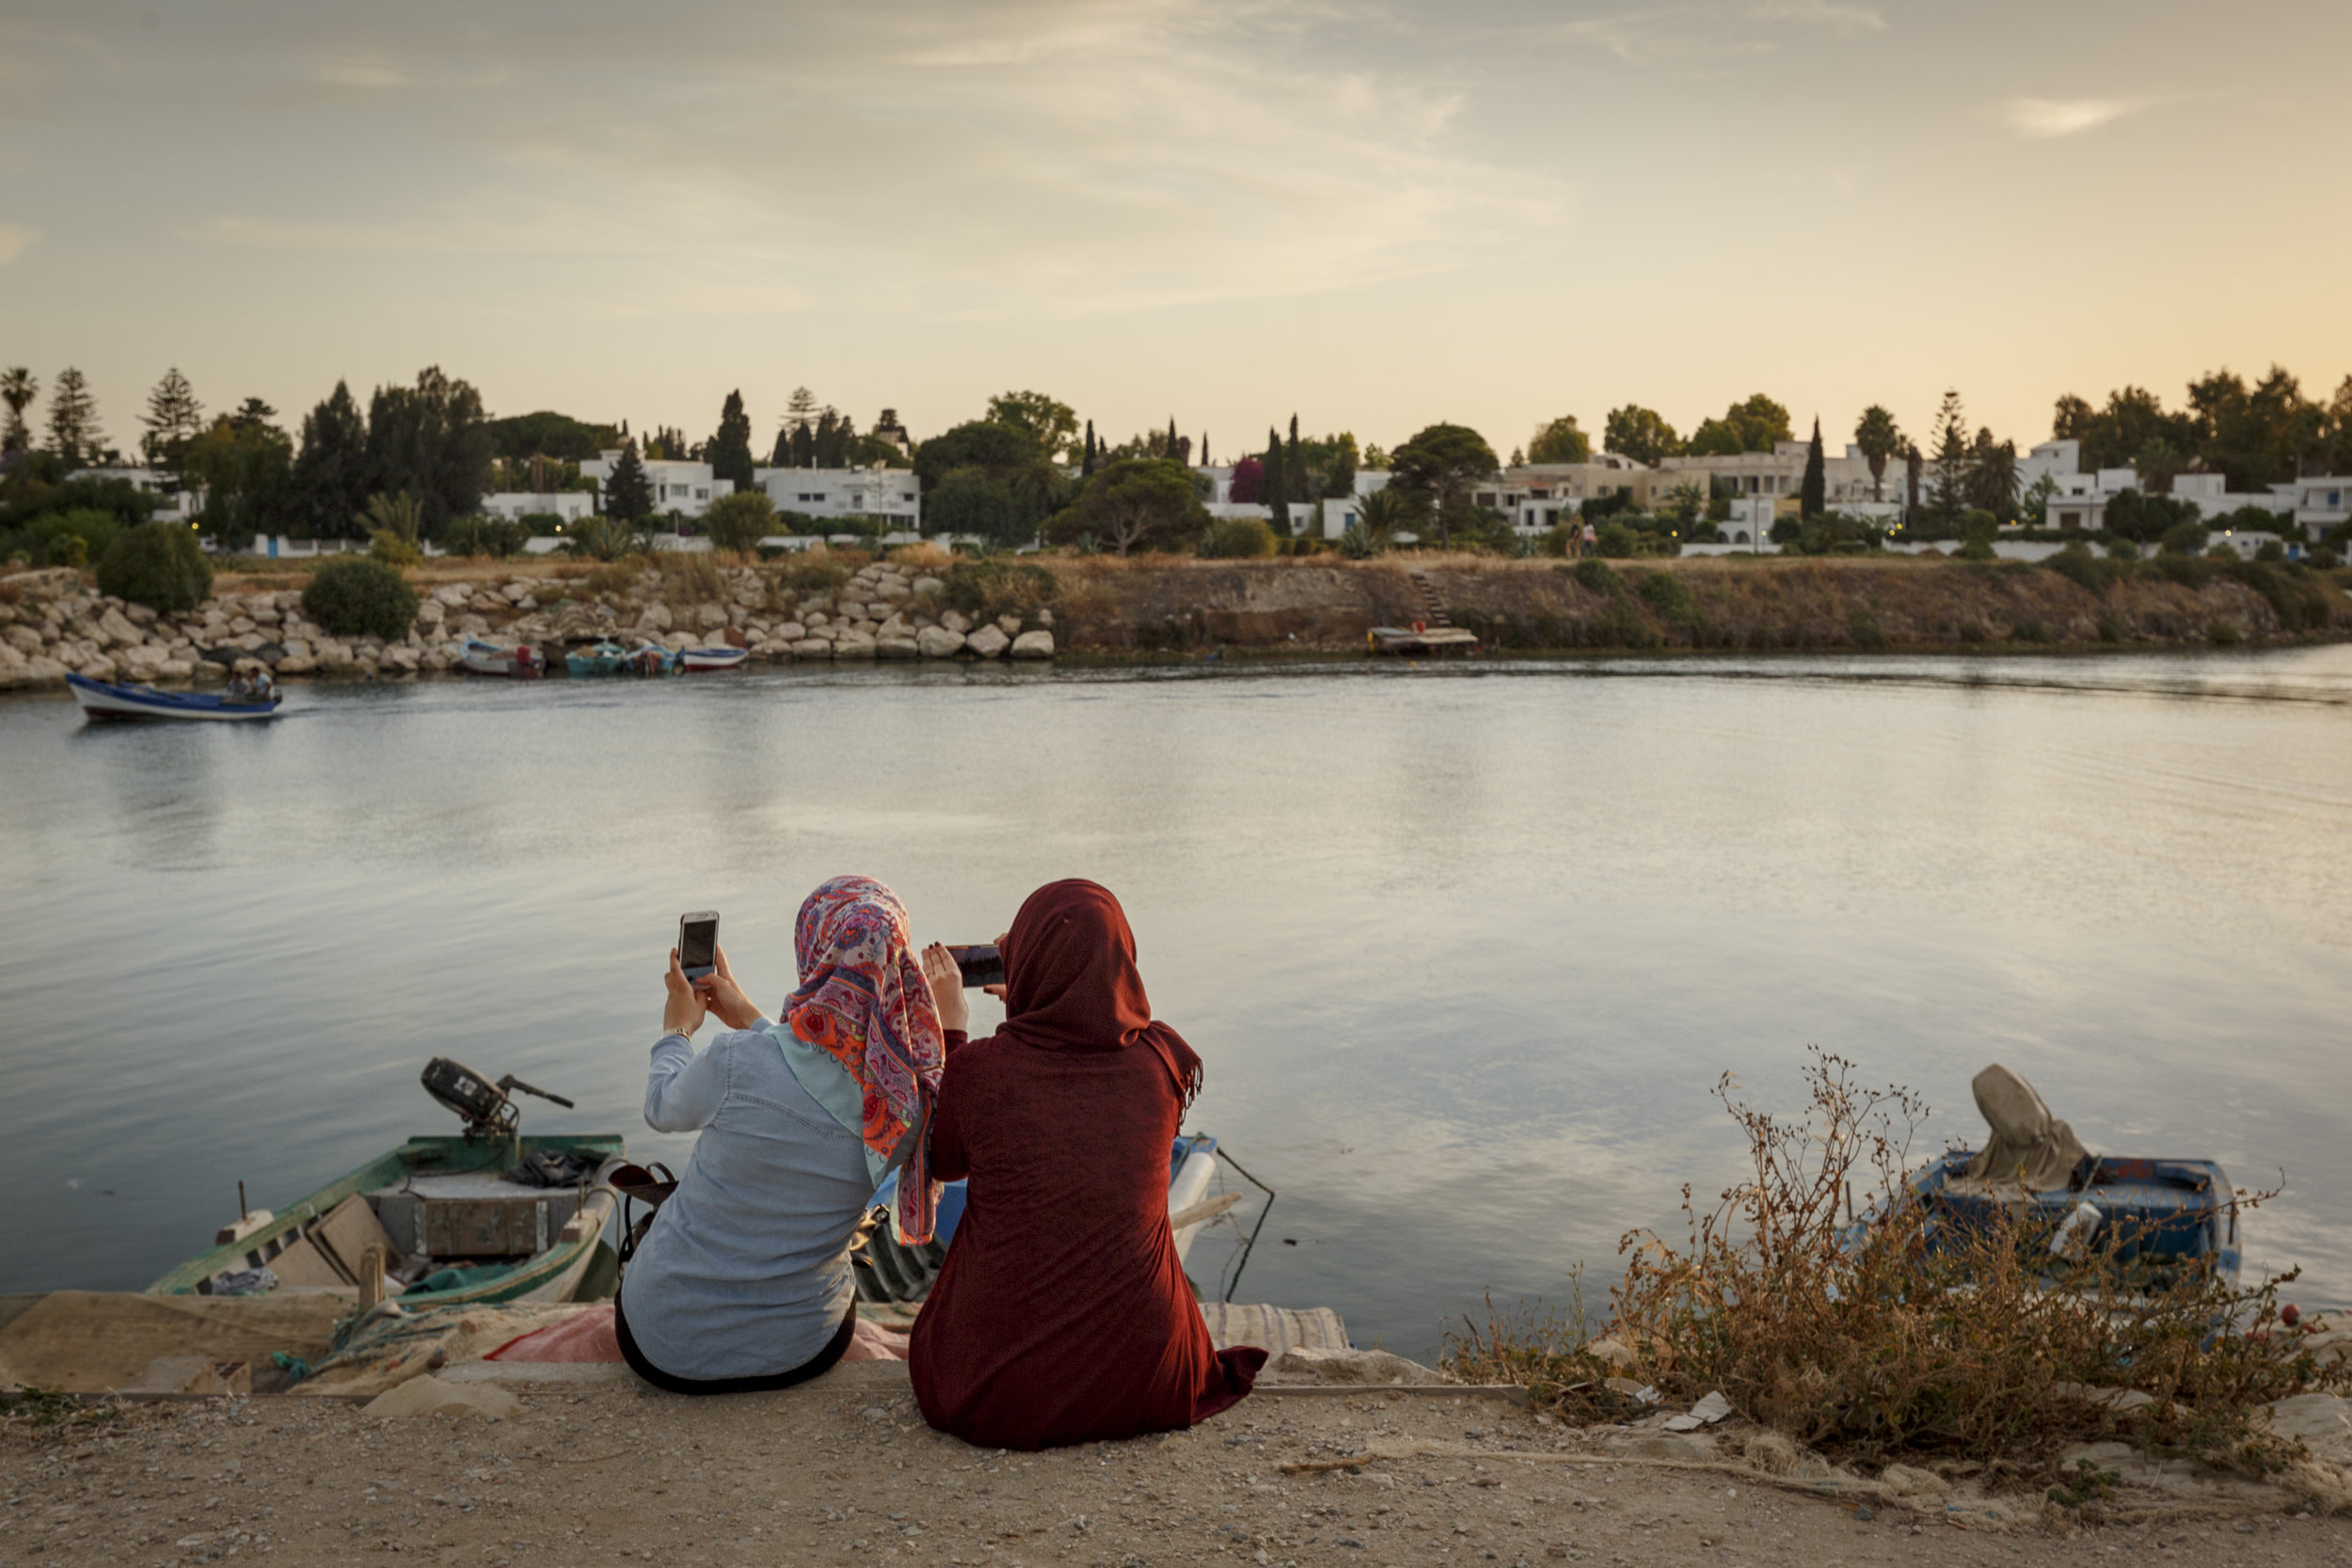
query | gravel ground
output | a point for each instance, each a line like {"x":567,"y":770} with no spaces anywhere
{"x":601,"y":1471}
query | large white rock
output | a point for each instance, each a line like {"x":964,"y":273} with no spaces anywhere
{"x":897,"y":647}
{"x":1033,"y":645}
{"x":118,"y":632}
{"x":930,"y":585}
{"x":656,"y":617}
{"x":956,"y":621}
{"x":854,"y":647}
{"x":1009,"y":624}
{"x":791,"y":631}
{"x":710,"y":616}
{"x":938,"y":643}
{"x":812,"y":647}
{"x":987,"y":641}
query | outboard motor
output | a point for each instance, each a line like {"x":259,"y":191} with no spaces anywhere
{"x":482,"y":1106}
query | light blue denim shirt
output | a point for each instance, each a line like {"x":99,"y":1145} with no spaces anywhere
{"x":746,"y":1270}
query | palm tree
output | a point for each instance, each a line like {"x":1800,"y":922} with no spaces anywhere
{"x":400,"y":515}
{"x":18,"y":387}
{"x":1879,"y":439}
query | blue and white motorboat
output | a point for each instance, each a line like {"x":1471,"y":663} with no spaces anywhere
{"x":704,"y":660}
{"x":888,"y":1271}
{"x":112,"y":700}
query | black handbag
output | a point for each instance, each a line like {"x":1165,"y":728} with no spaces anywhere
{"x":636,"y":1184}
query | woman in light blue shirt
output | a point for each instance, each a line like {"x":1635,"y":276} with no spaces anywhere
{"x":743,"y":1281}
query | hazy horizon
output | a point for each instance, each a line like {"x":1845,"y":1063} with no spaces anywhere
{"x":1373,"y":215}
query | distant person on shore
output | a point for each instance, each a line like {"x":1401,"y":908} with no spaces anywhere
{"x":743,"y":1281}
{"x":1062,"y":1314}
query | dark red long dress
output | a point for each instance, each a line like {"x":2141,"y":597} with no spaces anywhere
{"x":1062,"y":1314}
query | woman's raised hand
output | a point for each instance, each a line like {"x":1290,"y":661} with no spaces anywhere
{"x":947,"y":983}
{"x":682,"y":1011}
{"x":724,"y":997}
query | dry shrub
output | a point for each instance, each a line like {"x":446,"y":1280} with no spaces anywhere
{"x":1904,"y":1334}
{"x":932,"y":559}
{"x":610,"y":577}
{"x":693,"y":577}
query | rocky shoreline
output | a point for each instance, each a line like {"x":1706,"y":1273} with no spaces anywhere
{"x":53,"y":622}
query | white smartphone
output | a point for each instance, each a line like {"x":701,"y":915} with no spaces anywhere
{"x":698,"y":942}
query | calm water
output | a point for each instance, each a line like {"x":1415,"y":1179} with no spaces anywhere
{"x":1464,"y":951}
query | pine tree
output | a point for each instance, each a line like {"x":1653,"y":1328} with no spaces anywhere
{"x":782,"y":456}
{"x":804,"y":446}
{"x":1951,"y":459}
{"x":627,"y":493}
{"x":19,"y":386}
{"x":1813,"y":498}
{"x":73,"y":432}
{"x":173,"y":419}
{"x":1274,"y":488}
{"x":730,"y":450}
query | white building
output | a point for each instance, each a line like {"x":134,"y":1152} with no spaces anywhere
{"x":570,"y":505}
{"x":891,"y":494}
{"x":162,"y":484}
{"x":678,"y":486}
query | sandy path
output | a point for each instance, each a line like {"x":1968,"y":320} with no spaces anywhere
{"x":843,"y":1472}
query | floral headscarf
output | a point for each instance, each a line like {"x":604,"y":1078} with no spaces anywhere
{"x":864,"y":1003}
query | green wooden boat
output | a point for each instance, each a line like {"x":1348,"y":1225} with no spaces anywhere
{"x":440,"y":1194}
{"x":447,"y":1218}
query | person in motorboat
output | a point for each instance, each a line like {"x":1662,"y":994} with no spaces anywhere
{"x":743,"y":1281}
{"x":1062,"y":1314}
{"x":251,"y":682}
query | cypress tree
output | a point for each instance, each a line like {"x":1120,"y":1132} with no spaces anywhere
{"x":1295,"y":467}
{"x":1085,"y":463}
{"x":1274,"y":489}
{"x":730,"y":450}
{"x":1812,"y":497}
{"x":628,"y":494}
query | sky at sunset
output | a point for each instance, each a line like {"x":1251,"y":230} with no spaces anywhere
{"x":1376,"y":216}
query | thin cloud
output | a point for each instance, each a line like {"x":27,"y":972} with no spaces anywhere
{"x":15,"y":240}
{"x":2045,"y":118}
{"x":1824,"y":13}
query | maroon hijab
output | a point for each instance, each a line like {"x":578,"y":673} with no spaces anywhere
{"x":1071,"y":982}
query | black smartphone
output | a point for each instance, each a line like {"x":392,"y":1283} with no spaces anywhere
{"x":698,"y":942}
{"x":981,"y":966}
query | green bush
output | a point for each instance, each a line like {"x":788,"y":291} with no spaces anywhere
{"x":1358,"y":543}
{"x":2189,"y":571}
{"x":1616,"y":541}
{"x":1978,"y":526}
{"x":73,"y":538}
{"x":601,"y":538}
{"x":355,"y":596}
{"x":1668,"y":595}
{"x":1597,"y":575}
{"x":2078,"y":565}
{"x":740,"y":521}
{"x":394,"y":549}
{"x":1240,"y":539}
{"x":2271,"y":550}
{"x":2187,"y":538}
{"x":494,"y":537}
{"x":2122,"y":549}
{"x":159,"y":565}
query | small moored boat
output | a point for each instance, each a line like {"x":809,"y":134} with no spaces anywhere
{"x":598,"y":659}
{"x":888,"y":1271}
{"x":482,"y":657}
{"x":703,"y":660}
{"x":487,"y":1216}
{"x":112,"y":700}
{"x":1420,"y":641}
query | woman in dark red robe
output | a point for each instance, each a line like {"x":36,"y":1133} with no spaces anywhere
{"x":1062,"y":1314}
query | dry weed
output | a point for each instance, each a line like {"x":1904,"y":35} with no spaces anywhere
{"x":1907,"y":1334}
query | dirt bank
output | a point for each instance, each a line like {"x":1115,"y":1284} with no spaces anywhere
{"x":1894,"y":603}
{"x":602,"y":1470}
